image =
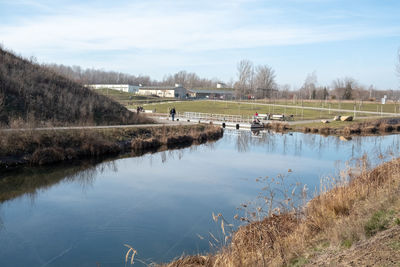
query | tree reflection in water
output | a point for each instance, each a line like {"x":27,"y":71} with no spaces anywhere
{"x":298,"y":143}
{"x":28,"y":181}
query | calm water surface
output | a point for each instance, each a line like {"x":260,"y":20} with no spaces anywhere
{"x":158,"y":203}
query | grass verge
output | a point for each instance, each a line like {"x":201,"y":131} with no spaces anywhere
{"x":349,"y":128}
{"x":50,"y":146}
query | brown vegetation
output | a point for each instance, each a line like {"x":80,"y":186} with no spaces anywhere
{"x":50,"y":146}
{"x":343,"y":219}
{"x":277,"y":126}
{"x":380,"y":126}
{"x":30,"y":93}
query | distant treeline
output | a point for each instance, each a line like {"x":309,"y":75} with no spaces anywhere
{"x":252,"y":81}
{"x":30,"y":93}
{"x":94,"y":76}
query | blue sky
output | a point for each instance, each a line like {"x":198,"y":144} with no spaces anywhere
{"x":335,"y":38}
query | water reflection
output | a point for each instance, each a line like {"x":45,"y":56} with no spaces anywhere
{"x":83,"y":214}
{"x":30,"y":181}
{"x":293,"y":143}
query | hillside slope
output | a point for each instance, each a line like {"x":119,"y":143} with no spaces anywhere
{"x":32,"y":93}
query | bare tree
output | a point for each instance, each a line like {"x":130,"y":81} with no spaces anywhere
{"x":285,"y":91}
{"x":343,"y":88}
{"x":264,"y":81}
{"x":310,"y":85}
{"x":245,"y":73}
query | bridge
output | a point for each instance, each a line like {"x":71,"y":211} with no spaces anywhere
{"x":235,"y":121}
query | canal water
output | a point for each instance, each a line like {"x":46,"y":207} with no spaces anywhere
{"x":161,"y":203}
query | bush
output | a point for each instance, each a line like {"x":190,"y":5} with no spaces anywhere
{"x":47,"y":155}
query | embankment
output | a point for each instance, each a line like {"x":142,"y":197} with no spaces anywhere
{"x":346,"y":128}
{"x":355,"y":223}
{"x":51,"y":146}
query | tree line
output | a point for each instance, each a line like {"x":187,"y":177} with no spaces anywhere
{"x":259,"y":82}
{"x":251,"y":82}
{"x":95,"y":76}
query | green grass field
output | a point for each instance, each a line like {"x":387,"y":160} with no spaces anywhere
{"x":216,"y":107}
{"x":162,"y":105}
{"x":334,"y":104}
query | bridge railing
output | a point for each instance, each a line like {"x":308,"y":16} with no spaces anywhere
{"x":217,"y":117}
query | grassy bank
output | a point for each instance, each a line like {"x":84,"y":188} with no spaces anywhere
{"x":45,"y":147}
{"x":349,"y":128}
{"x":350,"y":223}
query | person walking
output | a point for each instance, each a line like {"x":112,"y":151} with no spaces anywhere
{"x":172,"y":112}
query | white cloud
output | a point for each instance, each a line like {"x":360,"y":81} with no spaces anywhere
{"x":156,"y":26}
{"x":157,"y":37}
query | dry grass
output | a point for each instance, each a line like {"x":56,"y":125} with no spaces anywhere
{"x":33,"y":94}
{"x":278,"y":126}
{"x":45,"y":147}
{"x":380,"y":126}
{"x":335,"y":219}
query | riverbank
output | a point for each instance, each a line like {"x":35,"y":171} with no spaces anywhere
{"x":351,"y":224}
{"x":35,"y":147}
{"x":342,"y":128}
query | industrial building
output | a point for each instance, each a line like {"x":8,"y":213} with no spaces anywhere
{"x":119,"y":87}
{"x":177,"y":91}
{"x":211,"y":93}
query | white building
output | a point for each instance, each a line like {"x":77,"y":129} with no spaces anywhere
{"x":177,"y":91}
{"x":119,"y":87}
{"x":221,"y":85}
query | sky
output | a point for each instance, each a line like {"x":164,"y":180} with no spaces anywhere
{"x":334,"y":38}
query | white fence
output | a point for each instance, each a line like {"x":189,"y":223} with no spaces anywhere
{"x":216,"y":117}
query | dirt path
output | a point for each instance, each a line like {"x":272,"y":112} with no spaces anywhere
{"x":160,"y":123}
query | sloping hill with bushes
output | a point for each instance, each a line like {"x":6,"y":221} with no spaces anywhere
{"x":30,"y":93}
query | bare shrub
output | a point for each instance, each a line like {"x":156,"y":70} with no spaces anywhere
{"x":140,"y":144}
{"x":386,"y":128}
{"x":47,"y":155}
{"x":370,"y":129}
{"x":179,"y":140}
{"x":325,"y":131}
